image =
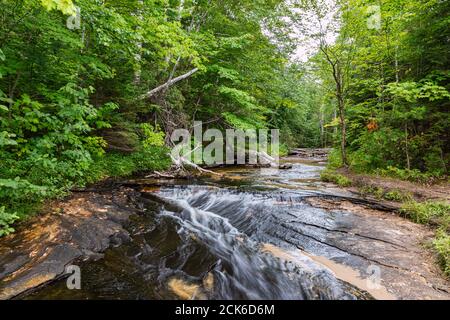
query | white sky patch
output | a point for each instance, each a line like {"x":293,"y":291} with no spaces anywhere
{"x":310,"y":26}
{"x":307,"y":26}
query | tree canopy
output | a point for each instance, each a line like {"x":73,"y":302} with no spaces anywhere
{"x":84,"y":80}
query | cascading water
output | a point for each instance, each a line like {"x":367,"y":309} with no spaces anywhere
{"x":242,"y":269}
{"x":230,"y":239}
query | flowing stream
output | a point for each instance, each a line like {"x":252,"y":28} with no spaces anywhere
{"x":250,"y":235}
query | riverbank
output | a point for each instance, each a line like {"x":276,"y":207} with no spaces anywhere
{"x":423,"y":204}
{"x":22,"y":198}
{"x":77,"y":223}
{"x":78,"y":228}
{"x":396,"y":189}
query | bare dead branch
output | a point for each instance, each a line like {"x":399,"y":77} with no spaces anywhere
{"x":168,"y":84}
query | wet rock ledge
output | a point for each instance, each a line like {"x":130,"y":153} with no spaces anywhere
{"x":78,"y":229}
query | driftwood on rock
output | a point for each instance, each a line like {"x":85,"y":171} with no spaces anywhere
{"x":183,"y":167}
{"x":264,"y":158}
{"x":161,"y":175}
{"x":183,"y":164}
{"x":310,"y":153}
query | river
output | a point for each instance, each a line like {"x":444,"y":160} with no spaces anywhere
{"x":259,"y":234}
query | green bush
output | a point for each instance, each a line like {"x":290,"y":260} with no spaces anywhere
{"x":153,"y":136}
{"x":428,"y":212}
{"x":393,"y":195}
{"x":51,"y":148}
{"x":54,"y":149}
{"x":434,"y":162}
{"x":20,"y":196}
{"x":115,"y":165}
{"x":442,"y":247}
{"x":340,"y":180}
{"x":6,"y":221}
{"x":151,"y":158}
{"x":335,"y":159}
{"x":413,"y":175}
{"x":376,"y":150}
{"x":284,"y":150}
{"x":397,"y":195}
{"x":436,"y":213}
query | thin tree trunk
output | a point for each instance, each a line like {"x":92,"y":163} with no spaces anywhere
{"x":335,"y":117}
{"x":138,"y":56}
{"x":322,"y":129}
{"x":341,"y":109}
{"x":397,"y":71}
{"x":408,"y":160}
{"x":343,"y":131}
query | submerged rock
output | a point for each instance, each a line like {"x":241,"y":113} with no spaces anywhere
{"x":286,"y":166}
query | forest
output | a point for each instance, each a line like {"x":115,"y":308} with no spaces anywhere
{"x":92,"y":89}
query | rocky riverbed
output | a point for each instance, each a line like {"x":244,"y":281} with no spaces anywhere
{"x":248,"y":234}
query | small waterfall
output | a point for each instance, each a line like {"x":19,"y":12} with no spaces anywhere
{"x":243,"y":237}
{"x":243,"y":270}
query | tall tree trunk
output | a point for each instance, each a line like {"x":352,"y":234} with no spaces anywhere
{"x":138,"y":56}
{"x":338,"y":76}
{"x":343,"y":130}
{"x":341,"y":108}
{"x":408,"y":160}
{"x":322,"y":129}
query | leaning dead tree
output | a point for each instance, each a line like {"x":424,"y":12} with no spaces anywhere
{"x":168,"y":84}
{"x":196,"y":22}
{"x":168,"y":117}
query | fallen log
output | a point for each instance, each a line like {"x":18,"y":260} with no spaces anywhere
{"x":183,"y":164}
{"x":161,"y":175}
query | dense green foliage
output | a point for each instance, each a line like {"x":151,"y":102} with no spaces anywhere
{"x":386,"y":70}
{"x":76,"y":103}
{"x":340,"y":180}
{"x":394,"y":83}
{"x":428,"y":212}
{"x":437,"y":214}
{"x":442,"y":246}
